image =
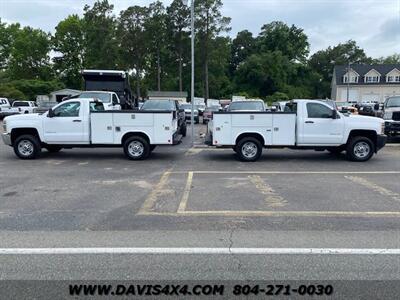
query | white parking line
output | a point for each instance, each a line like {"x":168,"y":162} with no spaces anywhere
{"x":194,"y":251}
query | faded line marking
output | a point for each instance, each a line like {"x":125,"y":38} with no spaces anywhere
{"x":152,"y":198}
{"x":374,"y":187}
{"x":83,"y":163}
{"x":193,"y":151}
{"x":272,"y":198}
{"x":55,"y":162}
{"x":186,"y":192}
{"x":253,"y":213}
{"x":140,"y":183}
{"x":201,"y":251}
{"x":292,"y":172}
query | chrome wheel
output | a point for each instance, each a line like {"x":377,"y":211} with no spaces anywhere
{"x":361,"y":149}
{"x":249,"y":150}
{"x":25,"y":148}
{"x":136,"y":149}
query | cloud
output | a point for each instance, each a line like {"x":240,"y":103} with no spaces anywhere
{"x":372,"y":23}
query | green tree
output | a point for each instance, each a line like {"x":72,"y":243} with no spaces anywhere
{"x":390,"y":60}
{"x":243,"y":46}
{"x":290,"y":41}
{"x":324,"y":61}
{"x":7,"y":37}
{"x":131,"y":30}
{"x":101,"y":44}
{"x":29,"y":55}
{"x":178,"y":21}
{"x":156,"y":29}
{"x":68,"y":41}
{"x":209,"y":23}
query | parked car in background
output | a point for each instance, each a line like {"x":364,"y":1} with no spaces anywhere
{"x":367,"y":110}
{"x":110,"y":100}
{"x":188,"y":113}
{"x":24,"y":107}
{"x":247,"y":105}
{"x":391,"y":115}
{"x":207,"y":115}
{"x":201,"y":108}
{"x":6,"y":109}
{"x":168,"y":105}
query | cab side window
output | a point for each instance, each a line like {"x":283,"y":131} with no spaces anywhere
{"x":70,"y":109}
{"x":114,"y":99}
{"x":96,"y":106}
{"x":318,"y":111}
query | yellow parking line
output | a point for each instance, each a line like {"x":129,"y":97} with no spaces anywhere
{"x":186,"y":192}
{"x":244,"y":213}
{"x":271,"y":197}
{"x":374,"y":187}
{"x":152,"y":198}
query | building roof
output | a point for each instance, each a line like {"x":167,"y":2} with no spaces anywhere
{"x":363,"y":69}
{"x":167,"y":94}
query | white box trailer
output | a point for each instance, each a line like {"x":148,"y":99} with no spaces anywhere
{"x":308,"y":124}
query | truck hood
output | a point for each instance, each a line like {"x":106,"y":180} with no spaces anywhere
{"x":366,"y":119}
{"x":22,"y":117}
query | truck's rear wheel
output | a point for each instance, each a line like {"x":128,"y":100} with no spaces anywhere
{"x":27,"y":146}
{"x":360,"y":149}
{"x":249,"y":149}
{"x":136,"y":148}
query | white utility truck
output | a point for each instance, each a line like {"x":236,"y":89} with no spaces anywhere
{"x":85,"y":123}
{"x":305,"y":124}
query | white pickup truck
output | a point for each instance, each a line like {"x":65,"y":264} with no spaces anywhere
{"x":305,"y":124}
{"x":85,"y":123}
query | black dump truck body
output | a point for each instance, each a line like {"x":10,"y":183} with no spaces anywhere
{"x":112,"y":81}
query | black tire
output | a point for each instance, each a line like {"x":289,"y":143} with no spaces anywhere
{"x":53,"y":149}
{"x":360,"y":149}
{"x":142,"y":148}
{"x":246,"y":155}
{"x":184,"y":130}
{"x":30,"y":150}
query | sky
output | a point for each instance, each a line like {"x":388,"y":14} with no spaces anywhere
{"x":373,"y":24}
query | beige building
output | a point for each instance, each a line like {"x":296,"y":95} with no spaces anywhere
{"x":168,"y":95}
{"x":365,"y":83}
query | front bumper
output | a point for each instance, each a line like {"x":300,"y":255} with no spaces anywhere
{"x":392,"y":126}
{"x":6,"y":137}
{"x":380,"y":142}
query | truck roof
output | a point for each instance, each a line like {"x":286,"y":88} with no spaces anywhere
{"x":104,"y":72}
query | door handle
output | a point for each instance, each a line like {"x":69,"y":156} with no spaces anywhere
{"x":309,"y":122}
{"x":77,"y":121}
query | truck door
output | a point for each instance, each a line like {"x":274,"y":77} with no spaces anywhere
{"x":318,"y":127}
{"x":67,"y":125}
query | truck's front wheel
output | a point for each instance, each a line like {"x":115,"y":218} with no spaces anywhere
{"x":136,"y":148}
{"x":360,"y":149}
{"x":27,"y":146}
{"x":249,"y":149}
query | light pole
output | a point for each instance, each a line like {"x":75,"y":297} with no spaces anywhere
{"x":185,"y":2}
{"x":348,"y":82}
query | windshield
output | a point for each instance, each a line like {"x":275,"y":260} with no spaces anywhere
{"x":187,"y":106}
{"x":393,"y":102}
{"x":158,"y":105}
{"x":258,"y":106}
{"x":104,"y":97}
{"x":20,"y":103}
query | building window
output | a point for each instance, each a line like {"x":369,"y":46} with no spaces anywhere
{"x":371,"y":79}
{"x":393,"y":78}
{"x":353,"y":79}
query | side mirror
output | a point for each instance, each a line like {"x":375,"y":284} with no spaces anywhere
{"x":51,"y":113}
{"x":334,"y":114}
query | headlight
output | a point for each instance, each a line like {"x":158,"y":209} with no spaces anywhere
{"x":387,"y":116}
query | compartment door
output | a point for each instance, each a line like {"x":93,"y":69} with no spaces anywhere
{"x":102,"y":128}
{"x":284,"y":129}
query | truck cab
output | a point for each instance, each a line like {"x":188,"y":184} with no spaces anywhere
{"x":391,"y":115}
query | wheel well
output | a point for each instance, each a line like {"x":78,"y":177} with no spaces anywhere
{"x":253,"y":135}
{"x":371,"y":134}
{"x":130,"y":134}
{"x":15,"y":133}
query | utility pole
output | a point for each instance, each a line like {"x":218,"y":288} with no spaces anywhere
{"x":185,"y":2}
{"x":348,"y":82}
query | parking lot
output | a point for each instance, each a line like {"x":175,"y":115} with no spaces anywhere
{"x":199,"y":196}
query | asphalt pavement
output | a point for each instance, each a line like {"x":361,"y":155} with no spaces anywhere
{"x":199,"y":197}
